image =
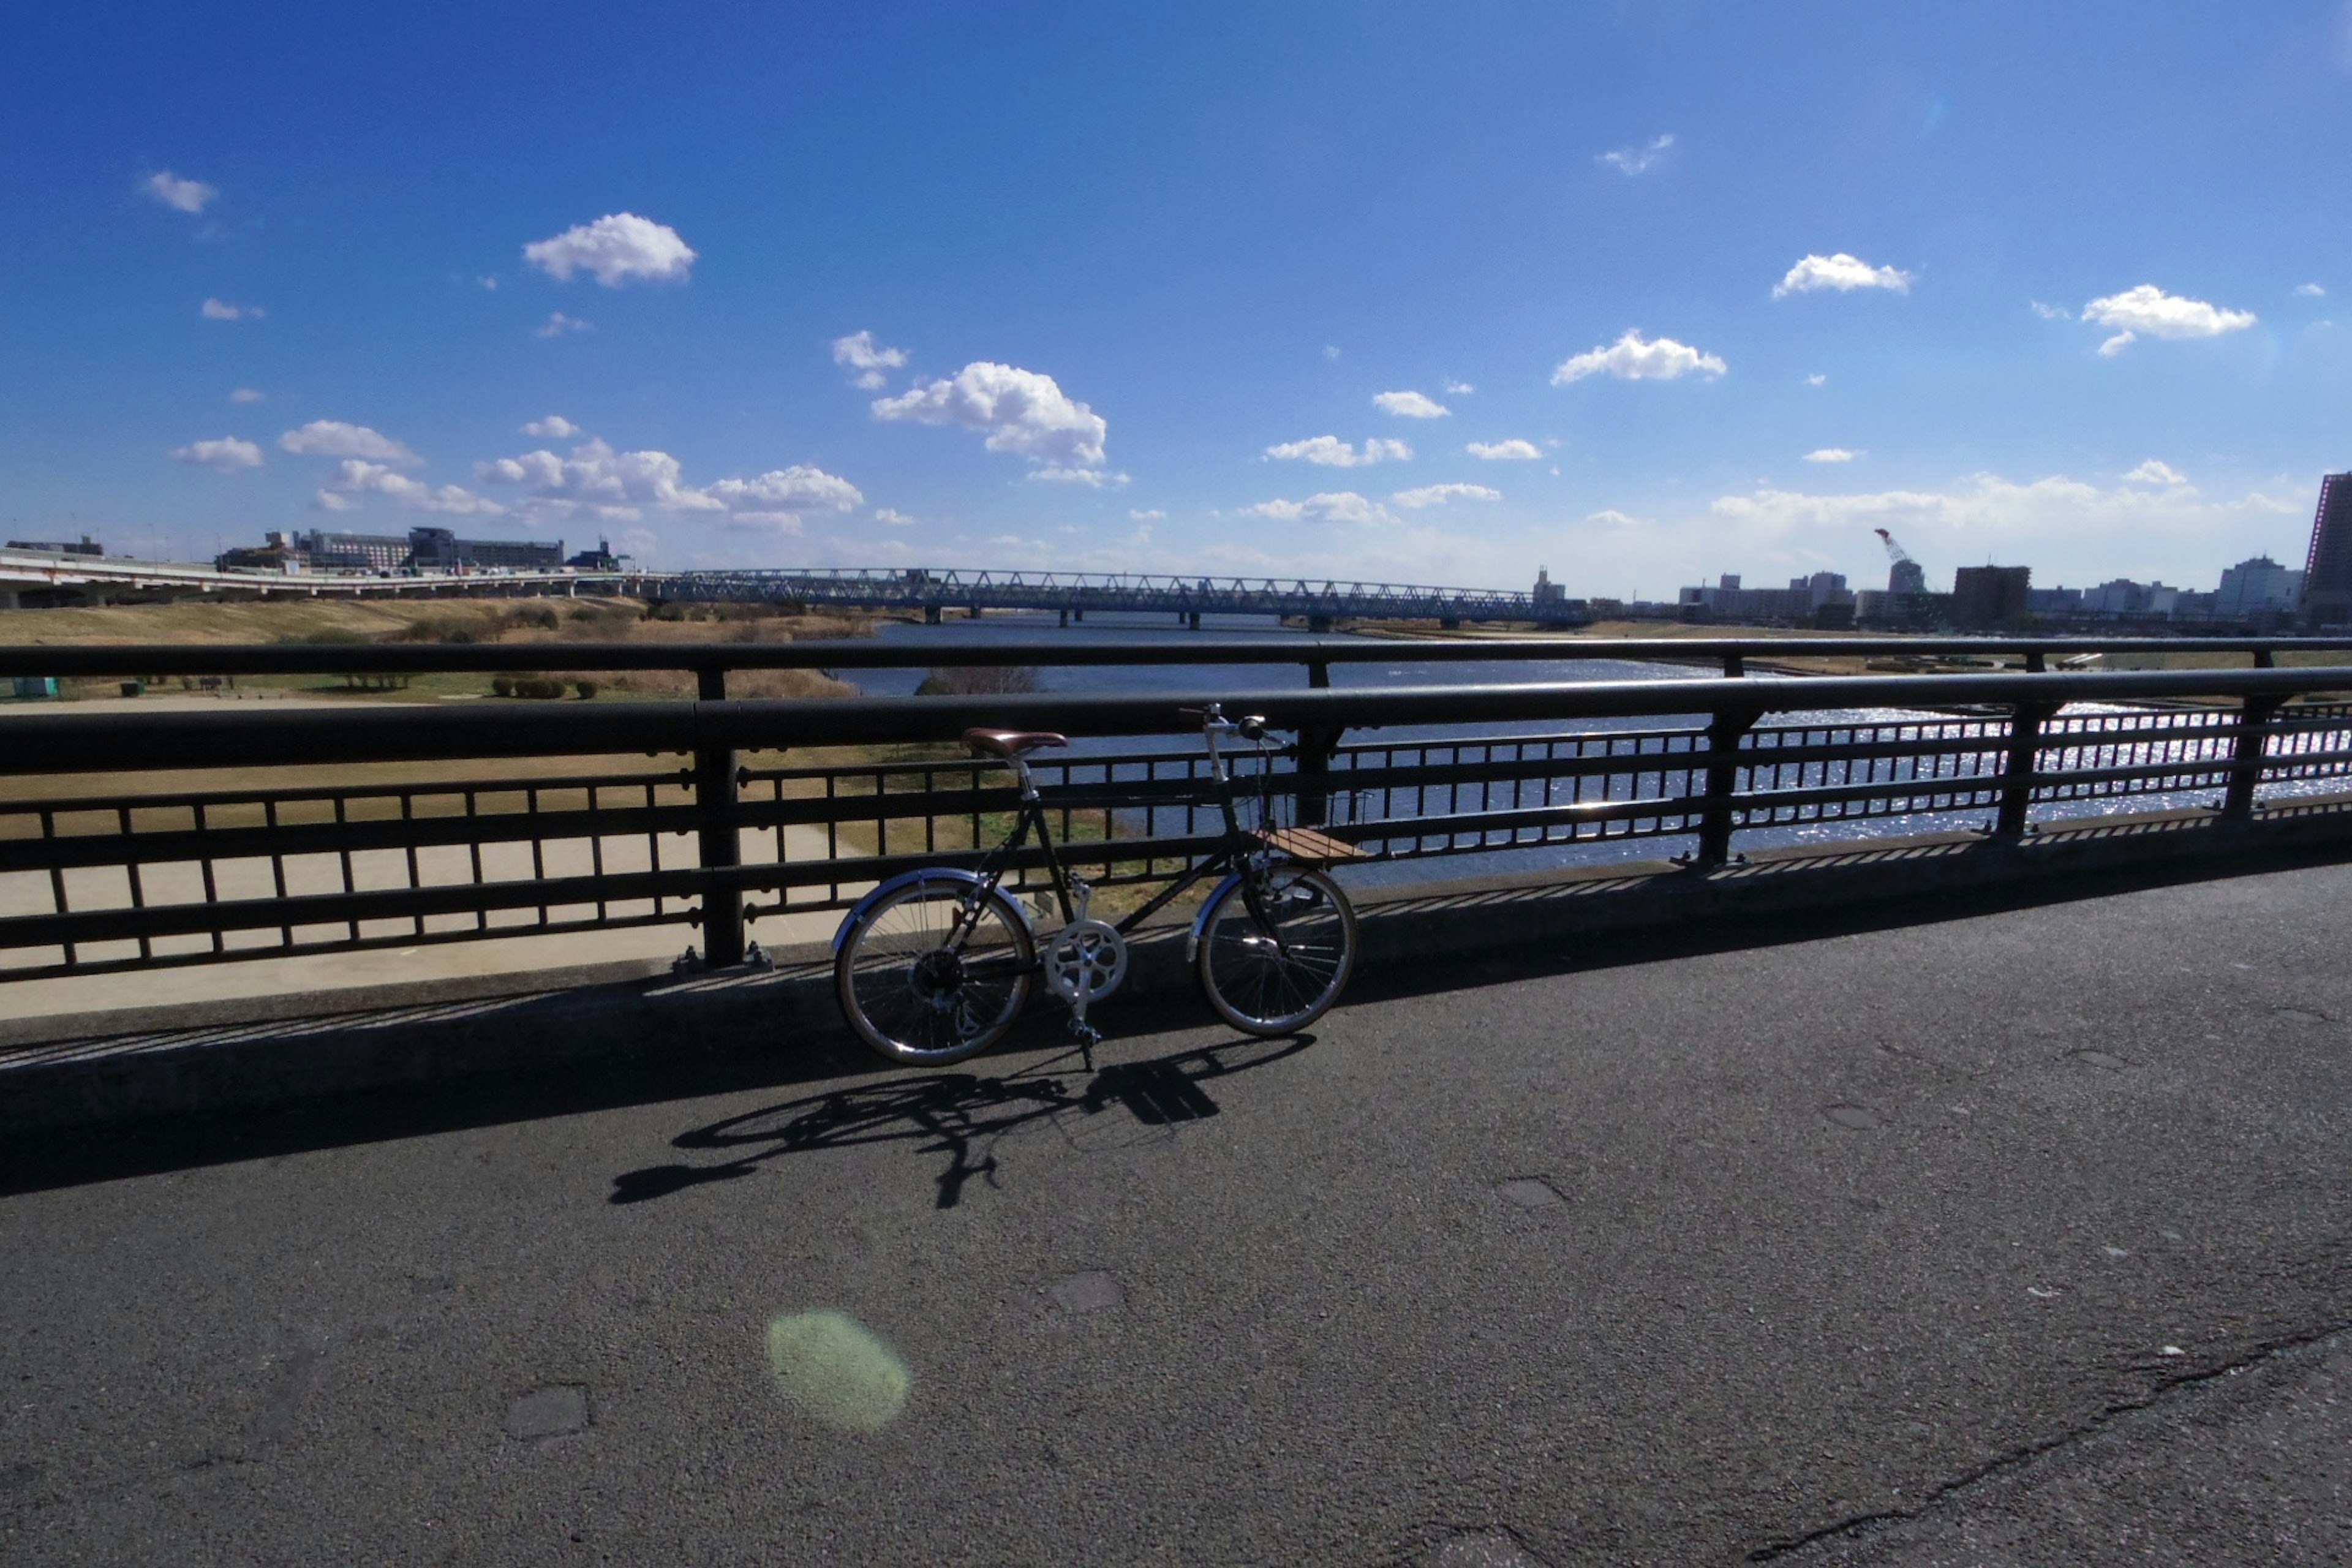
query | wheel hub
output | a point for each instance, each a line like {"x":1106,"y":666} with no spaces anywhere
{"x":938,"y":977}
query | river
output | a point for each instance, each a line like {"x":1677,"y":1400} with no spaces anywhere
{"x":1043,"y":632}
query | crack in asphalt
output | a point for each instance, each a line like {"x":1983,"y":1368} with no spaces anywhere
{"x":1993,"y":1469}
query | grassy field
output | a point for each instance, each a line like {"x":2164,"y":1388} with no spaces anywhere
{"x":509,"y":622}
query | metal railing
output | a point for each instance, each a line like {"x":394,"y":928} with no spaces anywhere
{"x":676,"y":813}
{"x":713,"y":661}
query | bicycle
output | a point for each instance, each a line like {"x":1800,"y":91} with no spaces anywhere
{"x":934,"y":965}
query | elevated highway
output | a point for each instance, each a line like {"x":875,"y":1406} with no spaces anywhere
{"x":47,"y":577}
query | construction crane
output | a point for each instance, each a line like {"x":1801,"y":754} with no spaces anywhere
{"x":1907,"y":577}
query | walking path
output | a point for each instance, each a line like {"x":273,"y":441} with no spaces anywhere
{"x":2021,"y":1238}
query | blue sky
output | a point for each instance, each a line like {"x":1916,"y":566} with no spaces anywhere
{"x":1699,"y":287}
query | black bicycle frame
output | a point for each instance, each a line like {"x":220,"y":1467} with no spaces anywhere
{"x":1228,"y":855}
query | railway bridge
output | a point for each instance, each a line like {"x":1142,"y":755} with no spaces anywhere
{"x":1320,"y":603}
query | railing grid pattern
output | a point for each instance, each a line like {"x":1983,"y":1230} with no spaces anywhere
{"x":120,"y":879}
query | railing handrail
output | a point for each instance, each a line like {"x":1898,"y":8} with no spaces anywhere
{"x":129,"y":659}
{"x":92,"y":743}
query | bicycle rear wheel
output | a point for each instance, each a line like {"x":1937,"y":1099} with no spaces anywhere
{"x":915,"y":999}
{"x":1275,"y":969}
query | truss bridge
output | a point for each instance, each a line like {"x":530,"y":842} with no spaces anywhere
{"x":937,"y":591}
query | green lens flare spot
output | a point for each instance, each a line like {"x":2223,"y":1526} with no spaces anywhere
{"x":836,"y":1370}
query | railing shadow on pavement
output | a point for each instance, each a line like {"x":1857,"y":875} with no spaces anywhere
{"x":964,"y":1116}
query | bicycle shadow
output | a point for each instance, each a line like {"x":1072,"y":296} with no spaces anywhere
{"x":963,"y":1116}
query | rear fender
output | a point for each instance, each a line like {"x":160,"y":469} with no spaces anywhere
{"x":912,"y":879}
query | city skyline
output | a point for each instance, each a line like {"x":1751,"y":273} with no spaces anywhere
{"x":1644,"y":295}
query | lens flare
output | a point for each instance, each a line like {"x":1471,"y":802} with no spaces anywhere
{"x":836,"y":1370}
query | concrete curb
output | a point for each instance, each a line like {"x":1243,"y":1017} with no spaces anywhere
{"x":110,"y":1068}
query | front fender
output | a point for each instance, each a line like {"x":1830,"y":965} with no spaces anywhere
{"x":909,"y":879}
{"x":1200,"y":920}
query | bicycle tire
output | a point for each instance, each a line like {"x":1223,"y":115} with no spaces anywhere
{"x":914,"y":1002}
{"x":1277,"y":982}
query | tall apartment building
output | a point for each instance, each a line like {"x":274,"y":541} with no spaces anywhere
{"x":2327,"y":569}
{"x":1987,"y":597}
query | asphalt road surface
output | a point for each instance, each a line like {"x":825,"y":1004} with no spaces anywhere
{"x":2010,"y":1239}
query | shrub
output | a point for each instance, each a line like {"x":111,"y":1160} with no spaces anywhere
{"x":502,"y":686}
{"x":981,"y":680}
{"x":587,"y":690}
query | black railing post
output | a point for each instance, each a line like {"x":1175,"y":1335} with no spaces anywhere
{"x":2246,"y":757}
{"x":2017,"y":771}
{"x":721,"y":838}
{"x":1734,"y":665}
{"x":1723,"y":737}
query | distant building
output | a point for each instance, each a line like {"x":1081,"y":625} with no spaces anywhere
{"x":601,"y":559}
{"x":87,"y":547}
{"x":1987,"y":597}
{"x":421,"y":550}
{"x":2055,"y":601}
{"x":2327,"y":569}
{"x":1547,"y":591}
{"x":1906,"y":578}
{"x":2255,"y":585}
{"x":1821,"y":598}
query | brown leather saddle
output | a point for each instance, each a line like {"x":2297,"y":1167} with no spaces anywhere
{"x":1009,"y":744}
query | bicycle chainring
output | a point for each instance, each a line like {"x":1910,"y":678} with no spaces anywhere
{"x":1086,"y":957}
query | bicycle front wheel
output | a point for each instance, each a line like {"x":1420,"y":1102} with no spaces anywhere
{"x":1277,"y":967}
{"x":916,"y":996}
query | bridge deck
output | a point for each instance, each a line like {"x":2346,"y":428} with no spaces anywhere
{"x":1670,"y":1256}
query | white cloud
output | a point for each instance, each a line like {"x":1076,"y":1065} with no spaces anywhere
{"x":1411,"y":405}
{"x":226,"y":455}
{"x":615,"y":248}
{"x":1154,"y":515}
{"x":1437,"y":495}
{"x":2153,"y":472}
{"x":1635,"y":358}
{"x":222,"y":311}
{"x":890,"y":518}
{"x":328,"y":500}
{"x":1022,"y":411}
{"x":1340,"y":506}
{"x":2051,"y":312}
{"x":2150,"y":309}
{"x":2047,"y":510}
{"x":1630,"y":160}
{"x":554,"y":427}
{"x":333,"y":438}
{"x":1331,"y":353}
{"x":356,"y":476}
{"x":1817,"y":379}
{"x":1504,"y":451}
{"x":799,"y":489}
{"x":558,"y":325}
{"x":1611,"y":518}
{"x":1330,"y":452}
{"x":1841,"y":272}
{"x":179,"y":195}
{"x":2311,"y":291}
{"x":1831,"y":455}
{"x":859,"y":351}
{"x":615,"y":484}
{"x":247,"y":394}
{"x":488,"y":280}
{"x":1459,"y":389}
{"x":1094,"y":478}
